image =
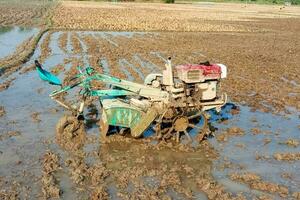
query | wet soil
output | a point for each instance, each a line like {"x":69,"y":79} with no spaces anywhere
{"x":264,"y":162}
{"x":139,"y":170}
{"x":26,"y":13}
{"x":35,"y":117}
{"x":256,"y":183}
{"x":76,"y":15}
{"x":287,"y":156}
{"x":50,"y":188}
{"x":9,"y":134}
{"x":255,"y":154}
{"x":2,"y":111}
{"x":233,"y":131}
{"x":103,"y":170}
{"x":291,"y":142}
{"x":5,"y":85}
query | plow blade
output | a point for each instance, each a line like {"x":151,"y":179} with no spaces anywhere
{"x":144,"y":122}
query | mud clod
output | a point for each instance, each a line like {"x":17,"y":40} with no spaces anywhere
{"x":50,"y":187}
{"x":255,"y":131}
{"x":2,"y":111}
{"x":291,"y":142}
{"x":100,"y":193}
{"x":215,"y":191}
{"x":9,"y":135}
{"x":7,"y":194}
{"x":255,"y":182}
{"x":57,"y":69}
{"x":50,"y":162}
{"x":267,"y":141}
{"x":287,"y":156}
{"x":98,"y":173}
{"x":70,"y":133}
{"x":78,"y":169}
{"x":287,"y":175}
{"x":5,"y":85}
{"x":35,"y":117}
{"x":233,"y":131}
{"x":296,"y":195}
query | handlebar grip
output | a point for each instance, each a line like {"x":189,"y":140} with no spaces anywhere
{"x":37,"y":64}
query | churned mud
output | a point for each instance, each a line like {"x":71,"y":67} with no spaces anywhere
{"x":45,"y":46}
{"x":25,"y":13}
{"x":50,"y":188}
{"x":263,"y":157}
{"x":256,"y":183}
{"x":35,"y":117}
{"x":5,"y":85}
{"x":2,"y":111}
{"x":233,"y":131}
{"x":63,"y":40}
{"x":287,"y":156}
{"x":291,"y":142}
{"x":9,"y":134}
{"x":120,"y":167}
{"x":129,"y":59}
{"x":58,"y":69}
{"x":70,"y":134}
{"x":162,"y":17}
{"x":255,"y":151}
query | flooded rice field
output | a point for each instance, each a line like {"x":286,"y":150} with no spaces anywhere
{"x":12,"y":37}
{"x":254,"y":149}
{"x":254,"y":154}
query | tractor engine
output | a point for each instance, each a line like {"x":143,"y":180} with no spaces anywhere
{"x":201,"y":81}
{"x":193,"y":85}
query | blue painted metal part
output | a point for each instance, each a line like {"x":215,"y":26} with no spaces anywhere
{"x":47,"y":76}
{"x":225,"y":113}
{"x":110,"y":93}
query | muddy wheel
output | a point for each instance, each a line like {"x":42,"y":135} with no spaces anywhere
{"x":103,"y":125}
{"x":70,"y":133}
{"x":175,"y":126}
{"x":204,"y":130}
{"x":123,"y":131}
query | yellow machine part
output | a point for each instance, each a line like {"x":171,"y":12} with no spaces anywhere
{"x":144,"y":122}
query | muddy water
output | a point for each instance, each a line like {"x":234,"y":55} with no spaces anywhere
{"x":253,"y":152}
{"x":12,"y":37}
{"x":26,"y":96}
{"x":30,"y":111}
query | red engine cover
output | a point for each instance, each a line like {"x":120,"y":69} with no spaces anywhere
{"x":210,"y":71}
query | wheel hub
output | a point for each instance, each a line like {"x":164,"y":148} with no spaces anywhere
{"x":181,"y":123}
